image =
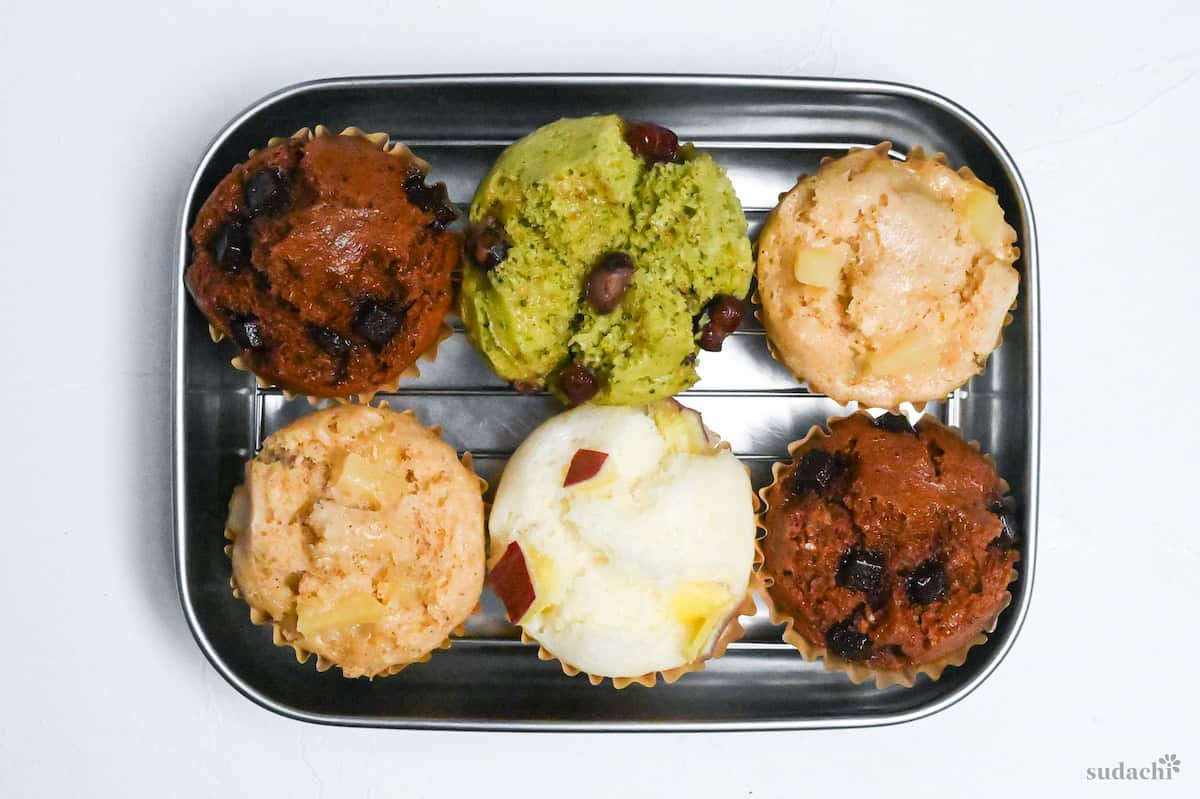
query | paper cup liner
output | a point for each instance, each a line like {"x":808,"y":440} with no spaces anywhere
{"x":731,"y":629}
{"x":857,"y":672}
{"x":884,"y":148}
{"x":282,"y":636}
{"x":382,"y":141}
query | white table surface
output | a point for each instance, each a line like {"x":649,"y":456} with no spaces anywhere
{"x":107,"y":108}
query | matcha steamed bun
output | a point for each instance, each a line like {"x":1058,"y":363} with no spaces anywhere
{"x":601,"y":255}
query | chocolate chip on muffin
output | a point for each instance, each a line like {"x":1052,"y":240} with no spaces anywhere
{"x":928,"y":582}
{"x":844,"y":639}
{"x":231,"y":246}
{"x":246,"y":330}
{"x":330,"y":340}
{"x":820,"y":472}
{"x":376,"y":323}
{"x":326,"y":260}
{"x":265,"y":193}
{"x":862,"y":570}
{"x":433,"y":199}
{"x":895,"y":422}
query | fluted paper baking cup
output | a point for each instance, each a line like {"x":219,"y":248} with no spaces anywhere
{"x":283,"y":632}
{"x":731,"y":631}
{"x":810,"y":651}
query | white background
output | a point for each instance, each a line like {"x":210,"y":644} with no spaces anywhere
{"x":105,"y":112}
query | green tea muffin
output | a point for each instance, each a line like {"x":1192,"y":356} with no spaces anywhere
{"x":600,"y":257}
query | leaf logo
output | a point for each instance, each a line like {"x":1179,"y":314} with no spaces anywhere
{"x":1170,"y":762}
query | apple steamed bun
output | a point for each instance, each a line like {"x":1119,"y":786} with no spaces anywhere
{"x":359,"y":535}
{"x":623,"y":539}
{"x":886,"y":281}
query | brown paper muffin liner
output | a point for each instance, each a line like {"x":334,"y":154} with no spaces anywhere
{"x":884,"y":147}
{"x":282,"y":637}
{"x":380,"y":140}
{"x":732,"y":629}
{"x":810,"y":651}
{"x":730,"y":632}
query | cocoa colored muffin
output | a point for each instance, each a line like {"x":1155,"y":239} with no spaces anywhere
{"x":327,"y":261}
{"x":888,"y":545}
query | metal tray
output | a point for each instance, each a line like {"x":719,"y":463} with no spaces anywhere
{"x":764,"y":131}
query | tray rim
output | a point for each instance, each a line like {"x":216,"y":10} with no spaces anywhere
{"x":1033,"y":456}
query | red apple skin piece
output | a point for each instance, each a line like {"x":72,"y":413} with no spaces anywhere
{"x":585,"y":464}
{"x":511,"y":582}
{"x":712,"y":438}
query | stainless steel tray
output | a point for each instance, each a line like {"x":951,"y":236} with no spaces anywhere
{"x":765,"y":131}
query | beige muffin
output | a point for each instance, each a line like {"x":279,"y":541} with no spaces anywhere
{"x":886,"y":281}
{"x":359,"y":535}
